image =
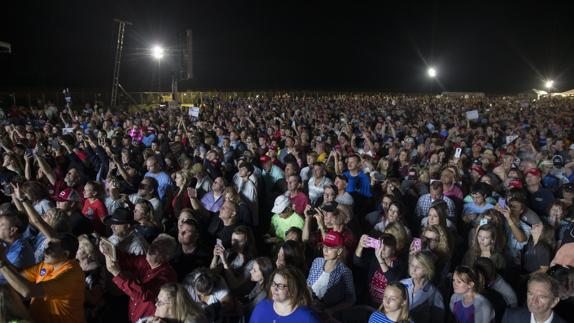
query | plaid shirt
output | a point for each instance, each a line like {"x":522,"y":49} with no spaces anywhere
{"x":424,"y":204}
{"x":340,"y":273}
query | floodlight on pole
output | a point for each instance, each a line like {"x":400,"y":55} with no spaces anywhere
{"x":157,"y":52}
{"x":549,"y":84}
{"x":431,"y":72}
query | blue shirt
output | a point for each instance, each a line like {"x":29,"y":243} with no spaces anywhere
{"x":163,"y":183}
{"x":20,"y":254}
{"x":264,"y":313}
{"x":360,"y":184}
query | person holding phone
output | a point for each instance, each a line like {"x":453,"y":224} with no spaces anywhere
{"x":381,"y":264}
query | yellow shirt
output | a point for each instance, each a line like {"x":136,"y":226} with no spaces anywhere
{"x":63,"y":300}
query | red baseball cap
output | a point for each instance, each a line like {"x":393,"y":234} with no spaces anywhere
{"x":515,"y":184}
{"x":333,"y":240}
{"x":533,"y":171}
{"x":264,"y":158}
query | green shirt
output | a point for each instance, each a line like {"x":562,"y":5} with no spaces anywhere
{"x":281,"y":225}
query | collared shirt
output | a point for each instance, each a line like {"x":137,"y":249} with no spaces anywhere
{"x":428,"y":294}
{"x":211,"y":203}
{"x":142,"y":284}
{"x":424,"y":204}
{"x":549,"y":320}
{"x":20,"y":254}
{"x":63,"y":287}
{"x":163,"y":183}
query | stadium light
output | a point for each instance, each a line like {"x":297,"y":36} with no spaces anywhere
{"x":549,"y":84}
{"x":431,"y":72}
{"x":157,"y":52}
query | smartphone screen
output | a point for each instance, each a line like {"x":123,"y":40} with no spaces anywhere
{"x":502,"y":203}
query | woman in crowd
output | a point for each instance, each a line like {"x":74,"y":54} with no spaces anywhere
{"x":174,"y":304}
{"x":146,"y":224}
{"x":425,"y":300}
{"x":485,"y":246}
{"x":395,"y":306}
{"x":183,"y":180}
{"x":91,"y":261}
{"x":288,"y":300}
{"x":436,"y":239}
{"x":539,"y":250}
{"x":237,"y":261}
{"x":383,"y":266}
{"x":330,"y":280}
{"x":291,"y":253}
{"x":260,"y":274}
{"x":395,"y":213}
{"x":467,"y":304}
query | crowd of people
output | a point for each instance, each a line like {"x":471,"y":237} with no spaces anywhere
{"x":279,"y":208}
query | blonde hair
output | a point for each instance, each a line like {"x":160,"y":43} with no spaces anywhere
{"x":184,"y":308}
{"x":443,"y":244}
{"x":404,"y":311}
{"x":397,"y":230}
{"x":426,"y":261}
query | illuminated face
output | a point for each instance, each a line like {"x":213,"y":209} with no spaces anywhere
{"x":484,"y":238}
{"x":539,"y":298}
{"x":434,"y":218}
{"x":459,"y":285}
{"x":392,"y":299}
{"x":256,"y":275}
{"x":279,"y":288}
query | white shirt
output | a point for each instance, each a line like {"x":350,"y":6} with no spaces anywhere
{"x":549,"y":320}
{"x":320,"y":286}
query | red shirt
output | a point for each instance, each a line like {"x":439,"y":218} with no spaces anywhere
{"x":96,"y":212}
{"x":299,"y":201}
{"x":142,"y":284}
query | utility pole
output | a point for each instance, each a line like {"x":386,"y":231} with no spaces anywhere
{"x":116,"y":78}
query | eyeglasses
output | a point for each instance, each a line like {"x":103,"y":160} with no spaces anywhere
{"x":278,"y":286}
{"x":159,"y":303}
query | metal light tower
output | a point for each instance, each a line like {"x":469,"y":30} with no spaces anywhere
{"x":116,"y":78}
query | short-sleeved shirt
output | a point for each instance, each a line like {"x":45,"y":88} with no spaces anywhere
{"x":281,"y":225}
{"x":63,"y":287}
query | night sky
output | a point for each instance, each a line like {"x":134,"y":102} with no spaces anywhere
{"x":476,"y":46}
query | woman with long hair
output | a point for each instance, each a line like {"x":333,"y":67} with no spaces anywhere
{"x":174,"y":304}
{"x":260,"y":274}
{"x":291,"y":253}
{"x":146,"y":225}
{"x":394,"y":307}
{"x":539,"y":250}
{"x":485,"y":246}
{"x":288,"y":299}
{"x":467,"y":304}
{"x":183,"y":179}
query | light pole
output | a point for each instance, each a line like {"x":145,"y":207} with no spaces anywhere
{"x":431,"y":73}
{"x":157,"y":52}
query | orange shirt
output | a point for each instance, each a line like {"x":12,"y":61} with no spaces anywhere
{"x":63,"y":300}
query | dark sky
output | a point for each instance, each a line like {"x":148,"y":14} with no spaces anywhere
{"x":476,"y":46}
